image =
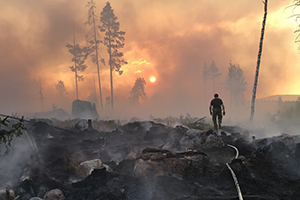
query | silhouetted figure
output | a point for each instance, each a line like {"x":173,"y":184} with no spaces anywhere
{"x":216,"y":109}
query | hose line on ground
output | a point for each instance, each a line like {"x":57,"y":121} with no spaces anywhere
{"x":233,"y":174}
{"x":238,"y":189}
{"x":236,"y":150}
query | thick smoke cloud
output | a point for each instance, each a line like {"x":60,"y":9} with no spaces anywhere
{"x":169,"y":39}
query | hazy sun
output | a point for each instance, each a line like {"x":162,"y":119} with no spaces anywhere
{"x":152,"y":79}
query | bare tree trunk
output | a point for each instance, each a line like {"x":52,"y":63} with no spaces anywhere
{"x":97,"y":61}
{"x":75,"y":67}
{"x":76,"y":82}
{"x":258,"y":60}
{"x":111,"y":78}
{"x":111,"y":89}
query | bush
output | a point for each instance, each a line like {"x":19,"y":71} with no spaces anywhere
{"x":7,"y":132}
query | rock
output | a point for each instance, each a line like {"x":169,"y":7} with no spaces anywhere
{"x":177,"y":176}
{"x":42,"y":191}
{"x":7,"y":195}
{"x":85,"y":168}
{"x":133,"y":154}
{"x":154,"y":162}
{"x":55,"y":194}
{"x":35,"y":198}
{"x":197,"y":139}
{"x":191,"y":139}
{"x":107,"y":167}
{"x":212,"y":140}
{"x":84,"y":109}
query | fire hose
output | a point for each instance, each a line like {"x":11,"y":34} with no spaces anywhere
{"x":233,"y":174}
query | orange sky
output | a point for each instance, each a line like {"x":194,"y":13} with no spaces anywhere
{"x":170,"y":39}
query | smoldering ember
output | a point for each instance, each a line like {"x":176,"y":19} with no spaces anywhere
{"x":148,"y":160}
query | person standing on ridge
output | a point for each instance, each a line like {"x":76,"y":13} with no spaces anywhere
{"x":216,"y":109}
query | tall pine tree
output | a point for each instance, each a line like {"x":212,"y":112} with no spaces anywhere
{"x":80,"y":54}
{"x":93,"y":42}
{"x":113,"y":40}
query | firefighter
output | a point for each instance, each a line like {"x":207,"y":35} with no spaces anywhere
{"x":216,"y":109}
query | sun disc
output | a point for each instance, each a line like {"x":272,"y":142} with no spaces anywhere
{"x":152,"y":79}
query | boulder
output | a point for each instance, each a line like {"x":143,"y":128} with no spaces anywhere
{"x":84,"y":109}
{"x":55,"y":194}
{"x":7,"y":195}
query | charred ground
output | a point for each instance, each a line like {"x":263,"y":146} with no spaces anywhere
{"x":144,"y":160}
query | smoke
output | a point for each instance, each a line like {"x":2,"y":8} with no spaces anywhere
{"x":13,"y":165}
{"x":168,"y":39}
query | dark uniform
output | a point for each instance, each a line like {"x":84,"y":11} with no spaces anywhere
{"x":215,"y":109}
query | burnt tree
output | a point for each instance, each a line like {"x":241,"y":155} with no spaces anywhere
{"x":258,"y":59}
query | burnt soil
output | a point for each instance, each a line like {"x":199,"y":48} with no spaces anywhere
{"x":145,"y":160}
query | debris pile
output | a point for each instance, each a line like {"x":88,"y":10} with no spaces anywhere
{"x":145,"y":160}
